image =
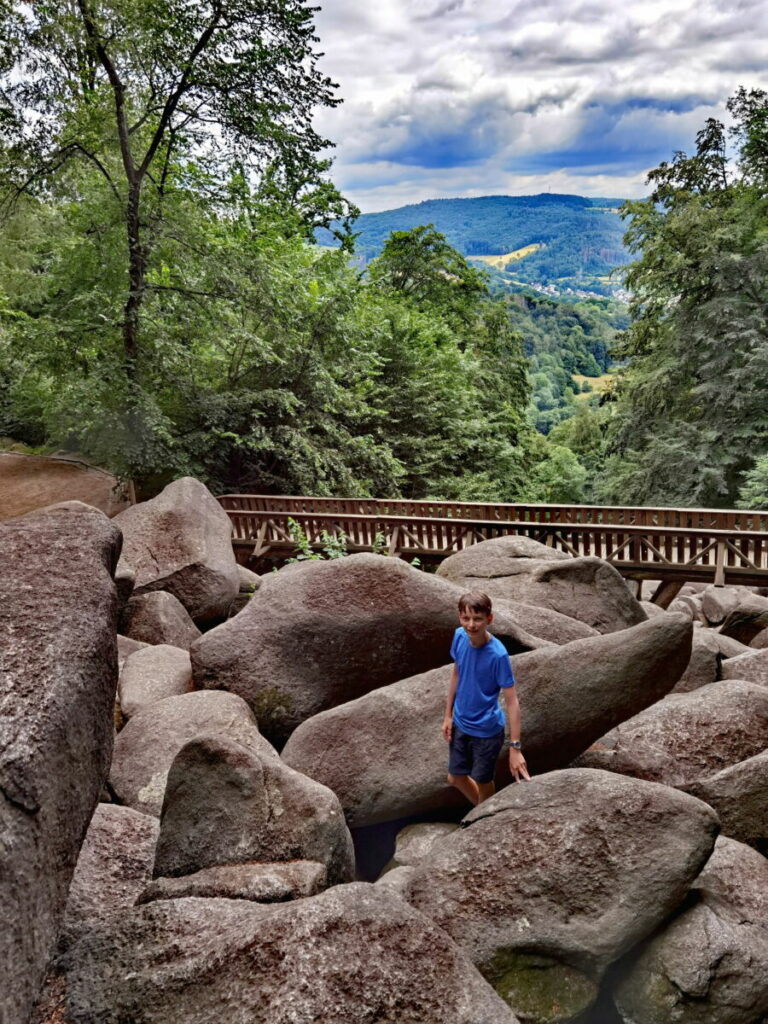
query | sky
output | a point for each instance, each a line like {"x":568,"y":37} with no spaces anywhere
{"x":448,"y":98}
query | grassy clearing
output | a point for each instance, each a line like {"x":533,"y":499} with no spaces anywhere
{"x":597,"y":384}
{"x":500,"y":262}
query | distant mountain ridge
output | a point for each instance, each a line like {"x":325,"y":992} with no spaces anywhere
{"x":578,"y":239}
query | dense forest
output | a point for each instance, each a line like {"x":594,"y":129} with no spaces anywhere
{"x":165,"y":307}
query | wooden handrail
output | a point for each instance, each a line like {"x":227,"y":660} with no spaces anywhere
{"x":718,"y":551}
{"x":682,"y":518}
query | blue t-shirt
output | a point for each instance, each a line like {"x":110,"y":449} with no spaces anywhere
{"x":483,"y":671}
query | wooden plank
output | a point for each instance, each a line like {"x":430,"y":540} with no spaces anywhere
{"x":666,"y":592}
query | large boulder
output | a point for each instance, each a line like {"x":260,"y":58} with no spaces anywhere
{"x":554,"y":879}
{"x":588,"y":588}
{"x":319,"y":634}
{"x":709,"y":652}
{"x":718,"y":602}
{"x":181,"y":542}
{"x":384,"y":754}
{"x":113,"y":869}
{"x":709,"y":965}
{"x":351,"y":954}
{"x":151,"y":674}
{"x":158,"y":618}
{"x":747,"y":619}
{"x":752,"y":666}
{"x":551,"y":627}
{"x":226,"y":804}
{"x":739,"y":794}
{"x":688,"y":736}
{"x":146,"y":747}
{"x":58,"y":672}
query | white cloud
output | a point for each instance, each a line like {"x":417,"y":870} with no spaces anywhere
{"x":464,"y":97}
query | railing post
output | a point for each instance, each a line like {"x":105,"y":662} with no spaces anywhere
{"x":720,"y":564}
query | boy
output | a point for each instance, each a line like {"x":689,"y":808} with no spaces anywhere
{"x":474,"y":724}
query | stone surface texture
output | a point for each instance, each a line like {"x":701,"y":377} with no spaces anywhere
{"x":126,"y":647}
{"x":114,"y":867}
{"x":181,"y":542}
{"x":351,"y":955}
{"x":554,"y":879}
{"x":588,"y":588}
{"x":152,"y":673}
{"x":58,"y":672}
{"x":262,"y":883}
{"x":569,"y":697}
{"x":709,"y":965}
{"x":718,"y":602}
{"x":709,"y":652}
{"x":688,"y":736}
{"x":226,"y":804}
{"x":158,"y":618}
{"x":739,"y":794}
{"x":752,"y":666}
{"x":760,"y":640}
{"x":318,"y":634}
{"x":414,"y":842}
{"x":146,"y":747}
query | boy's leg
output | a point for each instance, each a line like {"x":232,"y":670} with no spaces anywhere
{"x":484,"y":790}
{"x":466,"y":786}
{"x":460,"y":765}
{"x":485,"y":753}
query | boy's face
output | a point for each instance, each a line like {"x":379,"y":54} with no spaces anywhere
{"x":475,"y":625}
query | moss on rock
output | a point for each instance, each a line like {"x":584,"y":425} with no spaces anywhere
{"x":541,"y":990}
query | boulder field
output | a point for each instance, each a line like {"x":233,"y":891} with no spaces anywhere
{"x":319,"y":634}
{"x":269,"y":726}
{"x":607,"y":678}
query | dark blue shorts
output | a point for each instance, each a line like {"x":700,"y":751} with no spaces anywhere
{"x":474,"y":755}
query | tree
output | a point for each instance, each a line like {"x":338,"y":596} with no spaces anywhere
{"x":453,"y":379}
{"x":689,"y":419}
{"x":151,"y":95}
{"x":420,"y":265}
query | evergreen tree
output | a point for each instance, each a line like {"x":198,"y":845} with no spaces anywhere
{"x":690,"y":418}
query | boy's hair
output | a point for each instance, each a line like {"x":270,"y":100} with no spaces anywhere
{"x":475,"y":601}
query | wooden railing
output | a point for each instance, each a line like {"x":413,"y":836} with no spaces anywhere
{"x":643,"y":543}
{"x":679,"y":518}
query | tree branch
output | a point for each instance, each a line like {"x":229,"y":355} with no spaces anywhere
{"x":118,"y":89}
{"x":97,"y":163}
{"x":175,"y":98}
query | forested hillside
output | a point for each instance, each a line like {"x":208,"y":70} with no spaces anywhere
{"x":577,"y":239}
{"x":689,"y":424}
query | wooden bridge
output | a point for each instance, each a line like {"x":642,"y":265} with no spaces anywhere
{"x":672,"y":545}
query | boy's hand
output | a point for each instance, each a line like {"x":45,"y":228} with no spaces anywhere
{"x":447,"y":728}
{"x":517,"y":765}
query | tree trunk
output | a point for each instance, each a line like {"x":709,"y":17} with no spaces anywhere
{"x":137,"y":266}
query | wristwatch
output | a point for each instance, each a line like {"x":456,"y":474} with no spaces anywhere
{"x":513,"y":745}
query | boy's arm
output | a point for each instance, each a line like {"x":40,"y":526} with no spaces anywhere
{"x":448,"y":716}
{"x":517,"y":765}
